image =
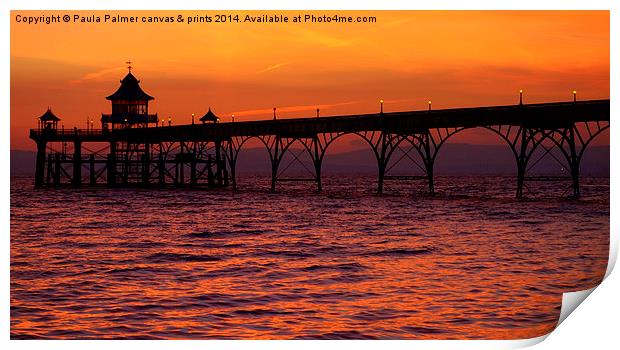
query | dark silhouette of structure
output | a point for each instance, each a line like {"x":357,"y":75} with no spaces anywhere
{"x":209,"y":117}
{"x":138,"y":152}
{"x":130,"y":106}
{"x":48,"y":120}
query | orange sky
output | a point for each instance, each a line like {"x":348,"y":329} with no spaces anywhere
{"x":455,"y":58}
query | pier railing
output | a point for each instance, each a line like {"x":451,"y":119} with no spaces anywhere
{"x":68,"y":132}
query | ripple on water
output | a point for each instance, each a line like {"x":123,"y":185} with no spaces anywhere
{"x":401,"y":252}
{"x":161,"y":258}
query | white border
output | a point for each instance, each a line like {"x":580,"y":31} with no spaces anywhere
{"x":574,"y":333}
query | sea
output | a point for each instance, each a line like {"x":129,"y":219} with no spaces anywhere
{"x":470,"y":262}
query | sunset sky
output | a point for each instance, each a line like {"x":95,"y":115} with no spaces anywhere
{"x":455,"y":59}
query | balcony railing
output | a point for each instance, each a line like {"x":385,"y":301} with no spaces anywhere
{"x":129,"y":118}
{"x":68,"y":132}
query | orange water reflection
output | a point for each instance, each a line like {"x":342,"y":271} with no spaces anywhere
{"x":195,"y":264}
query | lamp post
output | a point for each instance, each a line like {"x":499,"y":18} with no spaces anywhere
{"x":192,"y":118}
{"x":521,"y":96}
{"x":233,"y":118}
{"x":169,"y":121}
{"x":430,"y":103}
{"x":381,"y":103}
{"x":274,"y":113}
{"x":317,"y":112}
{"x":574,"y":95}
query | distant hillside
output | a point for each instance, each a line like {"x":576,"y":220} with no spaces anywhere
{"x":22,"y":162}
{"x":453,"y":159}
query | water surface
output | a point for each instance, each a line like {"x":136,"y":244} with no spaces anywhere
{"x":471,"y":262}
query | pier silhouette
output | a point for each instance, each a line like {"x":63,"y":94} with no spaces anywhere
{"x":144,"y":150}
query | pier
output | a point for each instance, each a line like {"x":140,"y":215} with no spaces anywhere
{"x":137,"y":149}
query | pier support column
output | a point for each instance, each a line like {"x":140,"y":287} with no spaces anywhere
{"x":431,"y":180}
{"x":57,"y":170}
{"x":574,"y":162}
{"x":381,"y":178}
{"x":91,"y":172}
{"x":318,"y":160}
{"x":522,"y":163}
{"x":146,"y":169}
{"x":180,"y":158}
{"x":176,"y":171}
{"x":233,"y":175}
{"x":210,"y":178}
{"x":520,"y":178}
{"x":192,"y":170}
{"x":77,"y":164}
{"x":317,"y":170}
{"x":575,"y":175}
{"x":381,"y":161}
{"x":225,"y":174}
{"x":232,"y":163}
{"x":275,"y":163}
{"x":111,"y":169}
{"x":111,"y":165}
{"x":126,"y":162}
{"x":146,"y":165}
{"x":50,"y":169}
{"x":161,"y":169}
{"x":429,"y":163}
{"x":40,"y":166}
{"x":218,"y":162}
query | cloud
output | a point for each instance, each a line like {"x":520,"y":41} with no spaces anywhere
{"x":97,"y":75}
{"x":299,"y":108}
{"x":272,"y":67}
{"x":321,"y":38}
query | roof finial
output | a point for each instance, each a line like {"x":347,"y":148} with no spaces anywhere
{"x":129,"y":65}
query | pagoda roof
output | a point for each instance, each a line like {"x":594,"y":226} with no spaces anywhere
{"x":209,"y":117}
{"x":130,"y":90}
{"x":48,"y":116}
